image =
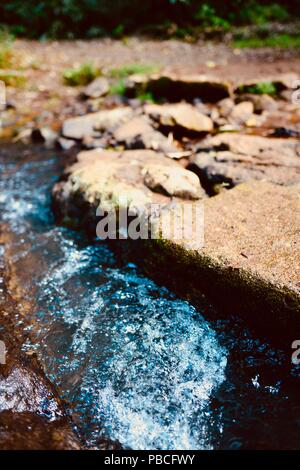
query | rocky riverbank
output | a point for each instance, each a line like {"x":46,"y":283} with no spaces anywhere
{"x":250,"y":255}
{"x":222,"y":140}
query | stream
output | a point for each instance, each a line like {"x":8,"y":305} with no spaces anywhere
{"x":133,"y":362}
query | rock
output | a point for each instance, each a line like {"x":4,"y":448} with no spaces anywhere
{"x":44,"y":135}
{"x":28,"y":431}
{"x":176,"y":182}
{"x":31,"y":414}
{"x":65,"y":144}
{"x":233,"y":159}
{"x":261,"y":103}
{"x":139,"y":134}
{"x":182,"y":117}
{"x":225,"y":107}
{"x":249,"y":263}
{"x":121,"y":179}
{"x":175,"y":88}
{"x":24,"y":136}
{"x":242,"y":112}
{"x":97,"y":88}
{"x":94,"y":123}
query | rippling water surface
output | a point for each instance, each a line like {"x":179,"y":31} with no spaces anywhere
{"x":134,"y":363}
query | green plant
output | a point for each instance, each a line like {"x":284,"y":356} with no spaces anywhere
{"x":81,"y":75}
{"x":93,"y":18}
{"x":12,"y":78}
{"x":118,"y":88}
{"x":6,"y":53}
{"x":260,"y":88}
{"x":284,"y":41}
{"x":118,"y":31}
{"x":146,"y":97}
{"x":127,"y":70}
{"x":206,"y":14}
{"x":256,"y":13}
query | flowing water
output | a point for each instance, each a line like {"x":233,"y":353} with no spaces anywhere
{"x":133,"y":362}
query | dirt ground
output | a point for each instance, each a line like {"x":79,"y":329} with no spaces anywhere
{"x":45,"y":99}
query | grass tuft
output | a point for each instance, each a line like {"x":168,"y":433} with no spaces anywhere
{"x":11,"y":78}
{"x":260,"y":88}
{"x":6,"y":53}
{"x":284,"y":41}
{"x":127,"y":70}
{"x":118,"y":88}
{"x":82,"y":75}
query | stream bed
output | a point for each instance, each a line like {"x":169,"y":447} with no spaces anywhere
{"x":133,"y":362}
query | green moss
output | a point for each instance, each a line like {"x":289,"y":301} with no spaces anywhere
{"x":260,"y":88}
{"x":146,"y":97}
{"x":283,"y":41}
{"x":82,"y":75}
{"x":118,"y":88}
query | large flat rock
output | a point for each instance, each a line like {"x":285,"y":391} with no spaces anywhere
{"x":249,"y":263}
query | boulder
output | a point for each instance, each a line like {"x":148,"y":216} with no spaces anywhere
{"x":182,"y":117}
{"x":126,"y":179}
{"x":175,"y":88}
{"x":233,"y":159}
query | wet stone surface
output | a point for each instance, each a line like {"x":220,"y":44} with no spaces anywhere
{"x":134,"y":363}
{"x":31,"y":414}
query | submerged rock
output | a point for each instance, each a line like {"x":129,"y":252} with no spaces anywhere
{"x":28,"y":431}
{"x":179,"y":87}
{"x":233,"y":159}
{"x":31,"y":415}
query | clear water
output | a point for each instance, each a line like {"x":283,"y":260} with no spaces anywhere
{"x":133,"y":362}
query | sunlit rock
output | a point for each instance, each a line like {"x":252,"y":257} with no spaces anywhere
{"x":234,"y":158}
